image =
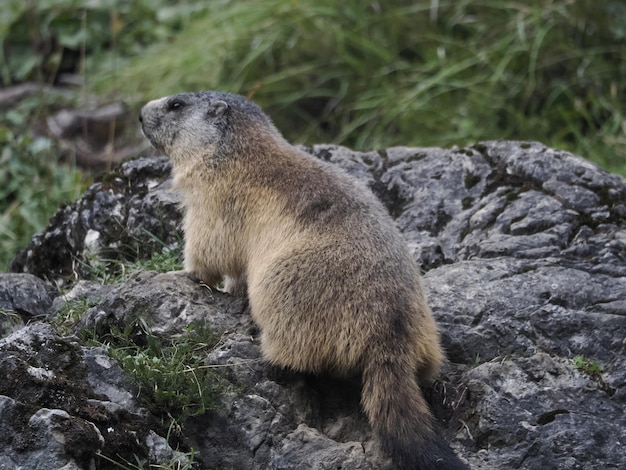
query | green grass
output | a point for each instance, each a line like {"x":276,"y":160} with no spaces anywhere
{"x":175,"y":384}
{"x":8,"y":320}
{"x":109,"y":271}
{"x":34,"y":182}
{"x":69,"y":315}
{"x":375,"y":75}
{"x":170,"y":259}
{"x":586,"y":365}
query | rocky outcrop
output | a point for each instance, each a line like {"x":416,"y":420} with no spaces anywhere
{"x":524,"y":253}
{"x":130,"y":214}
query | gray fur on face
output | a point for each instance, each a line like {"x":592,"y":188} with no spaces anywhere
{"x":182,"y":124}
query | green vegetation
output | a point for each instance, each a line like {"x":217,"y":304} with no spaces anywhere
{"x":8,"y":318}
{"x":33,"y":182}
{"x":109,"y":271}
{"x":175,"y":384}
{"x":586,"y":365}
{"x":170,"y":259}
{"x":371,"y":75}
{"x":68,"y":316}
{"x":363,"y":74}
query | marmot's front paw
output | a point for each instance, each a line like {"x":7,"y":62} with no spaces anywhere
{"x":237,"y":287}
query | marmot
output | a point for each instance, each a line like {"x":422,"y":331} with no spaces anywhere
{"x":329,"y":279}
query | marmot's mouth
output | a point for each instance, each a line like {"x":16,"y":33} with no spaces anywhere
{"x":153,"y":142}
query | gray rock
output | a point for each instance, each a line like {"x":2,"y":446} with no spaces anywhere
{"x":524,"y":253}
{"x":25,"y":294}
{"x":308,"y":449}
{"x":129,"y":215}
{"x":550,"y":411}
{"x":22,"y":298}
{"x":61,"y":404}
{"x":160,"y":451}
{"x":112,"y":389}
{"x":54,"y":436}
{"x":167,"y":303}
{"x":39,"y":440}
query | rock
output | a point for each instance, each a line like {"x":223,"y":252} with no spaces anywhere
{"x":42,"y":440}
{"x":307,"y":448}
{"x":22,"y":297}
{"x":172,"y":300}
{"x":61,"y":404}
{"x":55,"y":434}
{"x":130,"y":215}
{"x":25,"y":294}
{"x":524,"y":253}
{"x":554,"y":426}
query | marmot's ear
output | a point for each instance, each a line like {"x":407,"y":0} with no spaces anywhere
{"x":216,"y":109}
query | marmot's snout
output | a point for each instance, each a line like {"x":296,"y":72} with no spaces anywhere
{"x":148,"y":117}
{"x":142,"y":120}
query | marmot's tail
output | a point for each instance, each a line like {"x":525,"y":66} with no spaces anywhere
{"x":400,"y":416}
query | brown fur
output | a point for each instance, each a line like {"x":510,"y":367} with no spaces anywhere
{"x":330,"y":281}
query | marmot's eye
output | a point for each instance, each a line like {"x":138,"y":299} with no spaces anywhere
{"x":176,"y":105}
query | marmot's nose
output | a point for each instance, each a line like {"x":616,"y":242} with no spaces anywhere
{"x":140,"y":117}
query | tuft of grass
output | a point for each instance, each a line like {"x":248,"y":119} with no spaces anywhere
{"x":586,"y":365}
{"x":174,"y":382}
{"x":179,"y":462}
{"x":170,"y":259}
{"x":112,"y":270}
{"x":68,"y":316}
{"x":8,"y":320}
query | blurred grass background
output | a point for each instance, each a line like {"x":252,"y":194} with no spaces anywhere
{"x":365,"y":74}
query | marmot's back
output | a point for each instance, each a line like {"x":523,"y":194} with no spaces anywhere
{"x":349,"y":273}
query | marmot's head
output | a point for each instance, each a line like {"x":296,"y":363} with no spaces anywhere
{"x":209,"y":125}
